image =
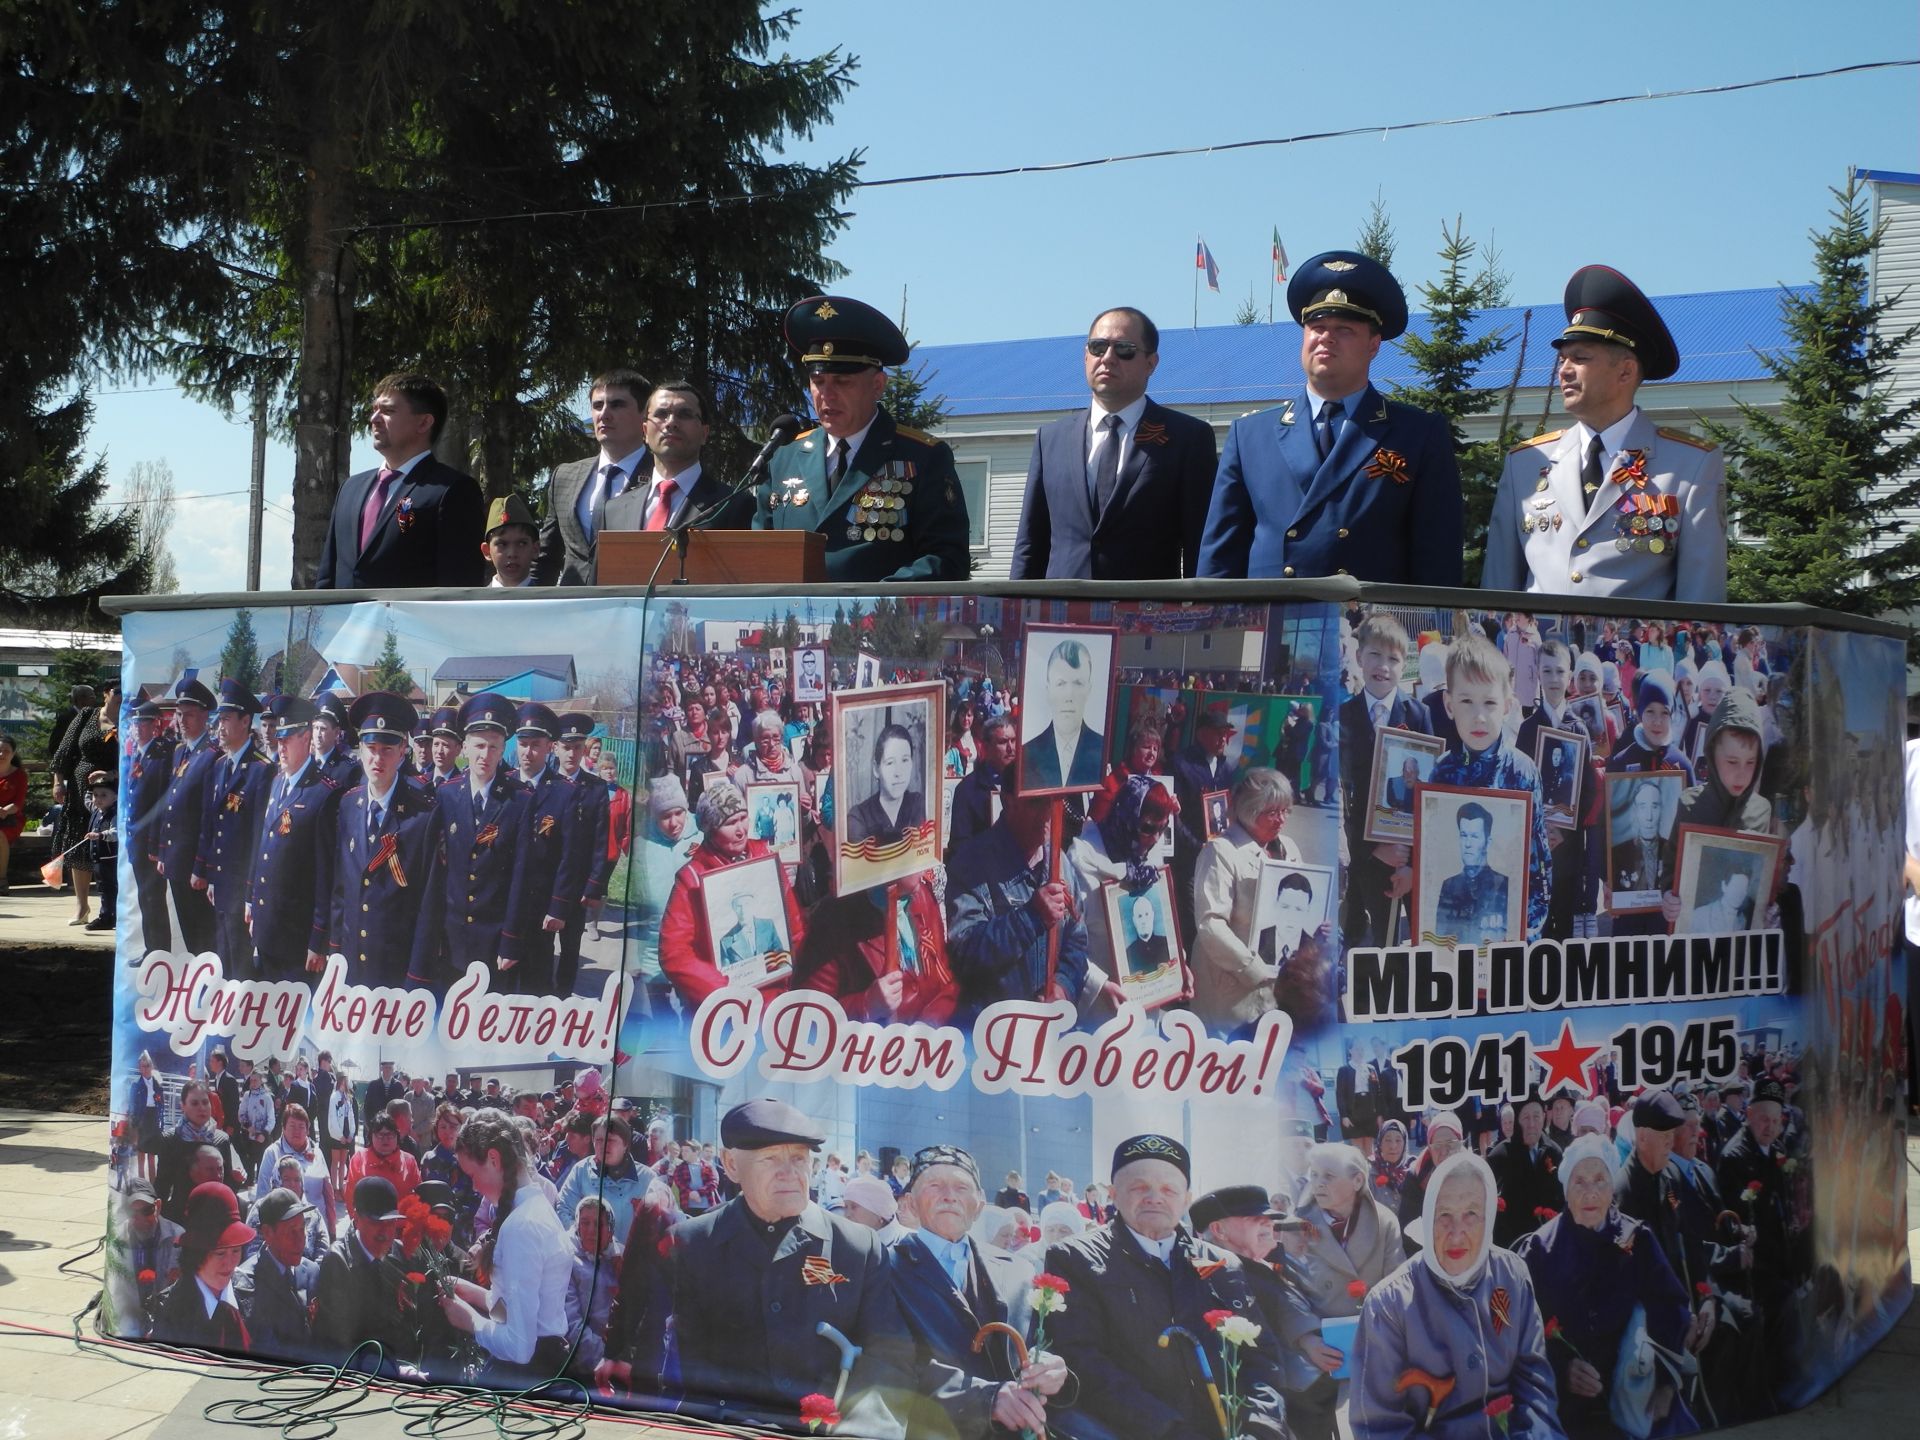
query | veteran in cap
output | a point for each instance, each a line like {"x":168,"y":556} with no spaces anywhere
{"x":1143,"y":1279}
{"x":1612,"y":505}
{"x":381,"y":840}
{"x":884,"y":496}
{"x":757,"y":1283}
{"x":1340,"y":480}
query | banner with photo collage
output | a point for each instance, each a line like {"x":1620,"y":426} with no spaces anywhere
{"x":921,"y":1015}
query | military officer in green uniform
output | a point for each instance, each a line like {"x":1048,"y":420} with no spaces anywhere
{"x":884,"y":496}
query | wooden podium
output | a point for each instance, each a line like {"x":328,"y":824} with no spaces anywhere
{"x":711,"y":557}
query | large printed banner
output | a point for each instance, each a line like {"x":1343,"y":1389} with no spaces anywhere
{"x":972,"y":1016}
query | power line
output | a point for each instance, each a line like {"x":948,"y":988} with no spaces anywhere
{"x":1059,"y":166}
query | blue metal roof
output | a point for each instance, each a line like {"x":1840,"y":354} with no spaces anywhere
{"x":1718,"y":334}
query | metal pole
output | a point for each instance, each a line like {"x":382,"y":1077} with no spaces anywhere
{"x":256,"y":501}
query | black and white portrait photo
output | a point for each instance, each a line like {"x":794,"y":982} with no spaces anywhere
{"x":1561,"y":758}
{"x":810,"y":673}
{"x":1470,"y":864}
{"x":1147,"y":959}
{"x":866,"y":671}
{"x":773,"y":811}
{"x":1295,"y":901}
{"x":747,"y":919}
{"x":887,"y":787}
{"x":1402,"y":761}
{"x":1726,"y":880}
{"x":1641,"y":806}
{"x":1066,"y":695}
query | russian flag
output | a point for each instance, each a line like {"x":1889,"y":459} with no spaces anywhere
{"x":1203,"y":260}
{"x":1279,"y":257}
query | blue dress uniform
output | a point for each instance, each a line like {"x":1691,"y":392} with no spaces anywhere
{"x":1383,"y":504}
{"x":591,"y":831}
{"x":473,"y":902}
{"x":379,"y":869}
{"x":149,"y":771}
{"x":341,"y":765}
{"x":178,"y":842}
{"x":293,"y":867}
{"x":552,"y":862}
{"x":234,"y":804}
{"x":1646,"y":516}
{"x":897,"y":512}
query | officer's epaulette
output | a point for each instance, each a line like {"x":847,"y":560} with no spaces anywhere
{"x":1536,"y":440}
{"x":327,"y":780}
{"x":909,"y":433}
{"x":805,"y":433}
{"x":1685,"y":438}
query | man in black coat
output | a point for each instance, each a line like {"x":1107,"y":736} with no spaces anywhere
{"x":414,"y":522}
{"x":1133,"y":1279}
{"x":177,"y":845}
{"x":148,"y":772}
{"x":379,"y":1092}
{"x":1760,"y":1181}
{"x":273,"y":1287}
{"x":974,"y":798}
{"x":1119,"y":491}
{"x":752,"y":1279}
{"x":357,"y":1296}
{"x":948,"y":1286}
{"x":1527,"y":1171}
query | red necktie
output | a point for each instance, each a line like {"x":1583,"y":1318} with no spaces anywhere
{"x":661,"y":510}
{"x":376,"y":501}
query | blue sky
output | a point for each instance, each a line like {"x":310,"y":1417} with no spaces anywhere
{"x":1706,"y":193}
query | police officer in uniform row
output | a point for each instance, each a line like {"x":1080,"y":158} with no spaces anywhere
{"x":591,"y":823}
{"x":1343,"y":481}
{"x":295,"y":856}
{"x":1611,"y":505}
{"x":178,"y":841}
{"x":381,"y":839}
{"x":333,"y":742}
{"x":231,"y":812}
{"x":884,"y":496}
{"x":149,"y":771}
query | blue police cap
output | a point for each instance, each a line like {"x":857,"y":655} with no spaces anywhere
{"x":488,"y":711}
{"x":576,"y":725}
{"x":1152,"y":1147}
{"x":332,"y":705}
{"x":236,"y":697}
{"x":1603,"y":304}
{"x":192,"y":692}
{"x":838,"y":334}
{"x":761,"y":1124}
{"x":146,"y":710}
{"x":290,"y":714}
{"x":1345,"y":282}
{"x":445,"y":723}
{"x":384,"y":717}
{"x":533,"y":718}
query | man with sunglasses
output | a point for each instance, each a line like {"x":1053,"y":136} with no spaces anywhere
{"x":884,"y":496}
{"x":1103,"y":485}
{"x":1341,"y":481}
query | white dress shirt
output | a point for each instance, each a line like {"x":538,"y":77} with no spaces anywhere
{"x":682,"y":483}
{"x":1129,"y":423}
{"x":532,"y":1263}
{"x":592,"y":490}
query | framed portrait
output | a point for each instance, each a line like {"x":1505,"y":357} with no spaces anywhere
{"x":1726,"y":879}
{"x":1066,"y":708}
{"x":1590,"y":711}
{"x":888,"y":796}
{"x":1144,"y":934}
{"x":948,"y":784}
{"x":810,"y":673}
{"x":1219,"y":814}
{"x":866,"y":671}
{"x":746,"y":917}
{"x":1296,"y":899}
{"x":1561,"y":758}
{"x":777,"y":660}
{"x":773,"y":815}
{"x":1161,"y":852}
{"x":1641,"y":806}
{"x":1402,"y":761}
{"x":1470,"y":865}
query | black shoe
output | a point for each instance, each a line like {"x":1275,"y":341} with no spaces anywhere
{"x":100,"y":922}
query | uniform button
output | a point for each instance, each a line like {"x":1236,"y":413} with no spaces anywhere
{"x":1339,"y":572}
{"x":363,"y":935}
{"x":1580,"y":544}
{"x":1343,"y":534}
{"x":1295,"y":534}
{"x":1287,"y":571}
{"x":774,"y":1307}
{"x":364,"y":909}
{"x":1575,"y":577}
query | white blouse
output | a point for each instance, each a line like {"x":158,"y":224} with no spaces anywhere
{"x":532,"y":1262}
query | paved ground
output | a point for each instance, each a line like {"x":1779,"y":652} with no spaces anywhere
{"x":52,"y":1203}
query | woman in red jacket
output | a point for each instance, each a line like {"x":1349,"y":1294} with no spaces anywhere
{"x":13,"y":803}
{"x":686,"y":945}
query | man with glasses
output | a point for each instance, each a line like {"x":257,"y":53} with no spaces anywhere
{"x":579,"y":491}
{"x":1341,"y":481}
{"x":678,"y":491}
{"x":1120,"y":491}
{"x":884,"y":496}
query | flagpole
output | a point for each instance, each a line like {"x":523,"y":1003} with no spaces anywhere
{"x":1196,"y":281}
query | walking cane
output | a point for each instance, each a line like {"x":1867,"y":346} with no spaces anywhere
{"x":1019,"y":1341}
{"x":1206,"y":1373}
{"x":849,"y":1352}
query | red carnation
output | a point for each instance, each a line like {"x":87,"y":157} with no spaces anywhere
{"x":1754,"y":1187}
{"x":146,"y":1277}
{"x":1213,"y":1318}
{"x":1702,"y":1289}
{"x":1499,"y":1405}
{"x":818,"y":1411}
{"x":1553,"y":1326}
{"x":1051,"y":1282}
{"x":1501,"y":1204}
{"x":1381,"y":1181}
{"x":439,"y":1232}
{"x":1357,"y":1289}
{"x":414,"y":1277}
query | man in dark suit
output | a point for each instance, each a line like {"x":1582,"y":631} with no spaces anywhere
{"x":333,"y":742}
{"x":1526,"y":1168}
{"x":1472,"y":907}
{"x":1069,"y":752}
{"x":976,"y":798}
{"x":948,"y":1286}
{"x":1136,"y":1276}
{"x":749,"y":937}
{"x":148,"y":772}
{"x":386,"y":1088}
{"x":579,"y":491}
{"x":231,"y":812}
{"x":273,"y":1287}
{"x":1120,"y":491}
{"x":1343,"y":481}
{"x":753,"y":1279}
{"x":679,"y":490}
{"x":178,"y":842}
{"x":414,"y":521}
{"x":553,"y":864}
{"x":885,"y":497}
{"x":358,"y":1293}
{"x":292,"y":869}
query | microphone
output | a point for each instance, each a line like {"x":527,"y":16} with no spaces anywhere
{"x":784,"y":428}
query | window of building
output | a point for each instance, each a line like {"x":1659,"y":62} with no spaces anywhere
{"x":973,"y":485}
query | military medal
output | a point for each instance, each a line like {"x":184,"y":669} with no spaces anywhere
{"x":868,"y":533}
{"x":898,"y":533}
{"x":545,"y":827}
{"x":1541,"y":484}
{"x":1657,"y":545}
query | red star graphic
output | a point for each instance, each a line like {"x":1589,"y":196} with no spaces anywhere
{"x":1565,"y":1061}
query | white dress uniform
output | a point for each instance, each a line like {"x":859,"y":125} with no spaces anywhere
{"x":1664,"y":539}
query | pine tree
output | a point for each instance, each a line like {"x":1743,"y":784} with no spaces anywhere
{"x":389,"y":672}
{"x":1376,"y":236}
{"x":907,"y":400}
{"x":840,"y":637}
{"x":1247,"y":312}
{"x":1819,"y":490}
{"x":240,"y":659}
{"x":1448,"y":363}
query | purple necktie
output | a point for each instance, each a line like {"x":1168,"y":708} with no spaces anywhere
{"x":376,"y":500}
